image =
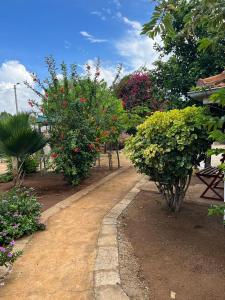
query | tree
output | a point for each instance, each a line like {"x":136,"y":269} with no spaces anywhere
{"x":167,"y":146}
{"x":139,"y":97}
{"x":19,"y":140}
{"x":83,"y":113}
{"x":187,"y":38}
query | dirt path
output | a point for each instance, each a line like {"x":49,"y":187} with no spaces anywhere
{"x":58,"y":263}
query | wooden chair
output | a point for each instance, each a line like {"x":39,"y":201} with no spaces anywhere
{"x":212,"y":177}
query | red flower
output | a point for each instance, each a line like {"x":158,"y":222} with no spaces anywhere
{"x":113,"y":129}
{"x":83,"y":100}
{"x":54,"y":155}
{"x":65,"y":104}
{"x":97,"y":139}
{"x":76,"y":150}
{"x":46,"y":95}
{"x":105,"y":133}
{"x":91,"y":147}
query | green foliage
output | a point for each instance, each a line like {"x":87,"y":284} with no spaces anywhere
{"x":30,"y":164}
{"x":195,"y":46}
{"x":167,"y":146}
{"x":19,"y":140}
{"x":19,"y":214}
{"x":216,"y":125}
{"x":83,"y":113}
{"x":216,"y":210}
{"x":208,"y":14}
{"x":6,"y":177}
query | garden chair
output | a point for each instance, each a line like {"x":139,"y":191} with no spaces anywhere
{"x":212,"y":177}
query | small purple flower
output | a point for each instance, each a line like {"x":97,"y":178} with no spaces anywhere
{"x":9,"y":254}
{"x":2,"y":249}
{"x":12,"y":243}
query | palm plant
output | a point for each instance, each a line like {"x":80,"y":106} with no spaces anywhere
{"x":18,"y":140}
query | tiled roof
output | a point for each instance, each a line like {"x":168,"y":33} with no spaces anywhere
{"x":213,"y":81}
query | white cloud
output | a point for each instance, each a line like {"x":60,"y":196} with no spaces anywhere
{"x":117,"y":3}
{"x":138,"y":50}
{"x":12,"y":72}
{"x":99,"y":14}
{"x":91,"y":38}
{"x":67,"y":44}
{"x":107,"y":71}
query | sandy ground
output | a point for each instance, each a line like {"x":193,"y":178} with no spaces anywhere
{"x":58,"y":263}
{"x":181,"y":255}
{"x":51,"y":188}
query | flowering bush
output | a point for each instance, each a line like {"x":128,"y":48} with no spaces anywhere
{"x":137,"y":90}
{"x":167,"y":146}
{"x":83,"y":113}
{"x":7,"y":255}
{"x":19,"y":215}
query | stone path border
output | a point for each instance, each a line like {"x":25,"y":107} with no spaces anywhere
{"x":107,"y":282}
{"x":21,"y":243}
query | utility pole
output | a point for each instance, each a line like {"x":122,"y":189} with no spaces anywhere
{"x":16,"y":102}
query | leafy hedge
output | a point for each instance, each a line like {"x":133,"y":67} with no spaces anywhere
{"x":167,"y":146}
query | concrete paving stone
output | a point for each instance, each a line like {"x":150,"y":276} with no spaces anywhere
{"x":118,"y":209}
{"x":107,"y":258}
{"x":106,"y":278}
{"x":109,"y":229}
{"x":107,"y":240}
{"x":114,"y":292}
{"x":113,"y":214}
{"x":109,"y":221}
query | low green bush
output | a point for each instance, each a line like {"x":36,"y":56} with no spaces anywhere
{"x":167,"y":146}
{"x":19,"y":214}
{"x":6,"y":177}
{"x":29,"y":166}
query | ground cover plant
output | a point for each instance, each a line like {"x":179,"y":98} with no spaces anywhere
{"x":19,"y":214}
{"x":167,"y":146}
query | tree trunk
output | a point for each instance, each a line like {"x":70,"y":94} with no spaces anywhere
{"x":14,"y":169}
{"x":175,"y":193}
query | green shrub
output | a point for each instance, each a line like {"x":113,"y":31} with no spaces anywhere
{"x":6,"y":177}
{"x":167,"y":146}
{"x":83,"y":113}
{"x":19,"y":214}
{"x":30,"y":165}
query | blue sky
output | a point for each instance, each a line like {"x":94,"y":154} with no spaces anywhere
{"x":76,"y":31}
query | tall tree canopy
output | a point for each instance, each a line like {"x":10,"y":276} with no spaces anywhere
{"x":192,"y":34}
